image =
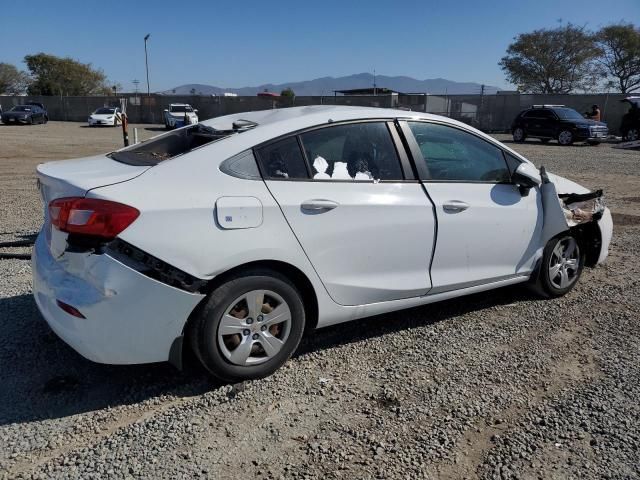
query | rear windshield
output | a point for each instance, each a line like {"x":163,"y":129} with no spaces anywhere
{"x":171,"y":145}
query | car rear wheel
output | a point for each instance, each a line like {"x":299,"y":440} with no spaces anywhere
{"x":518,"y":135}
{"x":249,"y":326}
{"x":633,"y":134}
{"x":561,"y":266}
{"x":565,"y":137}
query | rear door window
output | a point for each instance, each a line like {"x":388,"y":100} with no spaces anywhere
{"x":356,"y":152}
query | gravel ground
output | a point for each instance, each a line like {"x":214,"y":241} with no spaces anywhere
{"x":498,"y":385}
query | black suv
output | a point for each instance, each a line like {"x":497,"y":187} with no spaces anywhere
{"x":558,"y":122}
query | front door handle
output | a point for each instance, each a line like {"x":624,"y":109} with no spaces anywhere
{"x":319,"y":205}
{"x":455,"y":206}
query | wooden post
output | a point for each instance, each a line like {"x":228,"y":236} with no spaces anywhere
{"x":125,"y":129}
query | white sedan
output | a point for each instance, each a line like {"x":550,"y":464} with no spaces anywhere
{"x":236,"y":235}
{"x":111,"y":116}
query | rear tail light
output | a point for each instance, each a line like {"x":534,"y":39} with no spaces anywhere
{"x":91,"y":216}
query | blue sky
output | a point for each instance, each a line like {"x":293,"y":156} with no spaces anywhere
{"x":247,"y":43}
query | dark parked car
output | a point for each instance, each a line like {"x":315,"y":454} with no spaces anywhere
{"x":557,"y":122}
{"x":630,"y":127}
{"x":27,"y":114}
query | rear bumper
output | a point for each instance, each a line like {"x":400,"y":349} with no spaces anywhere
{"x":130,"y":318}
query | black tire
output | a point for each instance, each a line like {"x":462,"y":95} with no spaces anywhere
{"x":519,"y":135}
{"x":30,"y":121}
{"x":203,"y":332}
{"x":632,"y":134}
{"x":565,"y":137}
{"x":548,"y":286}
{"x":46,"y":119}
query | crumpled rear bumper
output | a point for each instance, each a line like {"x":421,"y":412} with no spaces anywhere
{"x":130,"y":318}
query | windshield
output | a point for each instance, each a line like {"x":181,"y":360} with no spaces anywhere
{"x":105,"y":111}
{"x":21,"y":108}
{"x":568,"y":114}
{"x":180,"y":108}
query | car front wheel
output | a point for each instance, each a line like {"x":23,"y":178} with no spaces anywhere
{"x":565,"y":137}
{"x":561,"y":267}
{"x":633,"y":134}
{"x":249,"y":326}
{"x":518,"y":135}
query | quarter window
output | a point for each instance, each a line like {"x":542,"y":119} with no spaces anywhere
{"x":456,"y":156}
{"x":283,"y":160}
{"x":357,"y":152}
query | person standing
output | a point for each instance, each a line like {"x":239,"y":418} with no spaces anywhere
{"x":595,"y":113}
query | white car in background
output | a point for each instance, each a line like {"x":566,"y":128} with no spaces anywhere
{"x":111,"y":116}
{"x":174,"y":116}
{"x":239,"y":233}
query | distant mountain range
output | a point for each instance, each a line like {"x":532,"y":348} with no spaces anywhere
{"x":326,"y":86}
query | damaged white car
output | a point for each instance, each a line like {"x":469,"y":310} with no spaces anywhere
{"x":234,"y":236}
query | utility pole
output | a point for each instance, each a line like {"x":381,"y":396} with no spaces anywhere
{"x":375,"y":92}
{"x":146,"y":62}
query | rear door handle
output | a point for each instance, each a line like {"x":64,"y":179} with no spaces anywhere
{"x":319,"y":205}
{"x":455,"y":206}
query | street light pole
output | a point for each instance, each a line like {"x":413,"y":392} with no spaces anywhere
{"x":146,"y":62}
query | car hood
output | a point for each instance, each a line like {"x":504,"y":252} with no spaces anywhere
{"x":564,"y":185}
{"x":589,"y":123}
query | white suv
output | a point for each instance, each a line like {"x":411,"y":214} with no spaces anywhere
{"x":178,"y":114}
{"x":239,"y":233}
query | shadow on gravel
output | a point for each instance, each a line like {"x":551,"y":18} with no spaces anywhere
{"x":363,"y":329}
{"x":43,"y":378}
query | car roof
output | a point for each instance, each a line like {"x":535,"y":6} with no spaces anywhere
{"x":275,"y":123}
{"x":297,"y":118}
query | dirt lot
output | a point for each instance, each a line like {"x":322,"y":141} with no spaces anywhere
{"x":498,"y":385}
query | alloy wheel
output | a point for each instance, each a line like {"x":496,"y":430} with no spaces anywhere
{"x":633,"y":135}
{"x":565,"y":137}
{"x":254,"y":328}
{"x":518,"y":135}
{"x":564,"y":263}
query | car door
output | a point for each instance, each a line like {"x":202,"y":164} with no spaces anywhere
{"x":488,"y":229}
{"x":548,"y":124}
{"x":350,"y":198}
{"x":533,"y":123}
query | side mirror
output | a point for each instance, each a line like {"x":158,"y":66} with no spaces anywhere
{"x":526,"y":176}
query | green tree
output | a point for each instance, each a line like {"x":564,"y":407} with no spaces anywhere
{"x":63,"y":76}
{"x":620,"y":60}
{"x":287,"y":92}
{"x":12,"y":80}
{"x":559,"y":60}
